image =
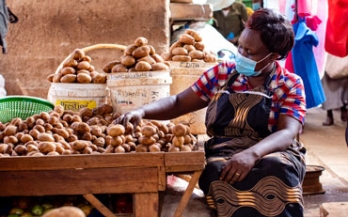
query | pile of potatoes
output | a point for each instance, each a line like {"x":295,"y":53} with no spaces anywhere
{"x":189,"y":48}
{"x":138,"y":57}
{"x":89,"y":131}
{"x":77,"y":69}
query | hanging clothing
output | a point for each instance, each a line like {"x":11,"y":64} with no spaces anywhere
{"x":237,"y":121}
{"x":305,"y":64}
{"x":3,"y":24}
{"x":336,"y":40}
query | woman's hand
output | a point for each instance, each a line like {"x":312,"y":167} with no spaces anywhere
{"x":238,"y":167}
{"x":134,"y":116}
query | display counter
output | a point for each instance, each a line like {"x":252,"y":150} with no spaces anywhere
{"x":143,"y":175}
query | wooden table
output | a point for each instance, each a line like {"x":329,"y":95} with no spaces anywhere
{"x":141,"y":174}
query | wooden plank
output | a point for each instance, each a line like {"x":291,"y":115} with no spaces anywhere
{"x":98,"y":205}
{"x":67,"y":182}
{"x":162,"y":179}
{"x":145,"y":205}
{"x":334,"y":209}
{"x":81,"y":161}
{"x":184,"y":161}
{"x":187,"y":11}
{"x":188,"y":192}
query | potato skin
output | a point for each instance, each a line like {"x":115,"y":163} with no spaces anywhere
{"x":143,"y":66}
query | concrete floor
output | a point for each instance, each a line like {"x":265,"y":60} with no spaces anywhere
{"x":326,"y":147}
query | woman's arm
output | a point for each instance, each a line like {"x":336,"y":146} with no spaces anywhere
{"x":166,"y":108}
{"x":241,"y":163}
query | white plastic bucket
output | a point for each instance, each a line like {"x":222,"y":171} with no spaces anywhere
{"x":130,"y":90}
{"x":184,"y":74}
{"x":74,"y":96}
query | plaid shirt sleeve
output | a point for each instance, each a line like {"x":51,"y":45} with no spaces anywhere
{"x":289,"y":97}
{"x":211,"y":79}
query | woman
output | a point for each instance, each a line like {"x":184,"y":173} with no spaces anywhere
{"x":255,"y":110}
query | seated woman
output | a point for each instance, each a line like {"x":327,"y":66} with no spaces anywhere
{"x":255,"y":166}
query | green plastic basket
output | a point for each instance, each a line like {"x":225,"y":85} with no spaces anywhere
{"x":22,"y":107}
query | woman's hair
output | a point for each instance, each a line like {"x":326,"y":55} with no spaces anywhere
{"x":276,"y":31}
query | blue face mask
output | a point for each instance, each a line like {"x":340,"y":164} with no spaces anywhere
{"x":256,"y":6}
{"x":247,"y":66}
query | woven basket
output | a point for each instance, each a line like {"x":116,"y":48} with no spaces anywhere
{"x":22,"y":107}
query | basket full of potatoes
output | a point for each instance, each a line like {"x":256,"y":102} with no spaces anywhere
{"x":139,"y":56}
{"x":189,"y":48}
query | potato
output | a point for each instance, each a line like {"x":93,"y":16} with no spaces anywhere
{"x":70,"y":78}
{"x":128,"y":60}
{"x":194,"y":34}
{"x":176,"y":44}
{"x":146,"y":140}
{"x":209,"y":58}
{"x":158,"y":58}
{"x":179,"y":130}
{"x":99,"y":79}
{"x":160,"y":67}
{"x":79,"y":145}
{"x":140,"y":41}
{"x":199,"y":46}
{"x":100,"y":142}
{"x":119,"y":149}
{"x":67,"y":70}
{"x":45,"y":147}
{"x":173,"y":148}
{"x":116,"y":130}
{"x":32,"y":148}
{"x":196,"y":54}
{"x":141,"y":148}
{"x":10,"y":130}
{"x":45,"y":137}
{"x":26,"y":138}
{"x":143,"y":66}
{"x":119,"y":68}
{"x":50,"y":78}
{"x":87,"y":150}
{"x":83,"y":78}
{"x":70,"y":63}
{"x":108,"y":66}
{"x":10,"y":140}
{"x":186,"y":39}
{"x":178,"y":141}
{"x":141,"y":52}
{"x":83,"y":65}
{"x":148,"y":59}
{"x":155,"y":148}
{"x":148,"y":130}
{"x":181,"y":58}
{"x":5,"y":148}
{"x":152,"y":49}
{"x":86,"y":58}
{"x":179,"y":51}
{"x":20,"y":150}
{"x":166,"y":56}
{"x":56,"y":78}
{"x":189,"y":47}
{"x":53,"y":153}
{"x":78,"y":54}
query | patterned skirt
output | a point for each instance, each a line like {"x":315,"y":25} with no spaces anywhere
{"x":272,"y":188}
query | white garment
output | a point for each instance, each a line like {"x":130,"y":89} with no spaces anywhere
{"x":2,"y":86}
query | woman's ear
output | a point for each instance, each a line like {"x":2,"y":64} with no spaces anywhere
{"x":274,"y":56}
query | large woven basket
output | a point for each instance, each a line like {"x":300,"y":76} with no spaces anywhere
{"x":22,"y":107}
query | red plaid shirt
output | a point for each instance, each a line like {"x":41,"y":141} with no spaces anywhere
{"x":288,"y":89}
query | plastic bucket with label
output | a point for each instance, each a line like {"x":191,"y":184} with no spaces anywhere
{"x":74,"y":96}
{"x":130,"y":90}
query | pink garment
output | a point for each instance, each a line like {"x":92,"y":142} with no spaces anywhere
{"x":304,"y":8}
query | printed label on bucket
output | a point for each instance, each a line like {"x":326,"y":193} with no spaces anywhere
{"x":76,"y":105}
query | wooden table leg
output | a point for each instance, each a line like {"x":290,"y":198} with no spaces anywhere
{"x":188,"y":192}
{"x":98,"y":205}
{"x":145,"y":204}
